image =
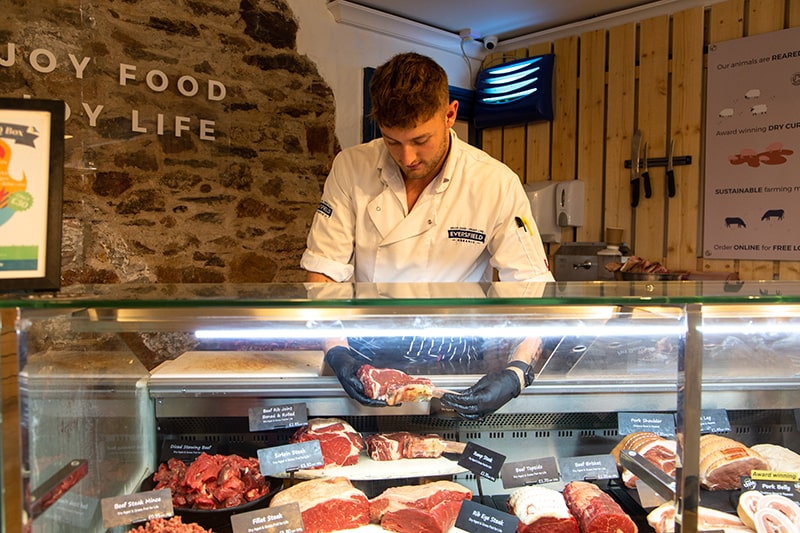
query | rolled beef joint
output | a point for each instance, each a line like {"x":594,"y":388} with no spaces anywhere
{"x":541,"y":510}
{"x":724,"y":461}
{"x":339,"y":442}
{"x":428,"y":508}
{"x":394,"y":386}
{"x":596,"y":511}
{"x":326,"y":504}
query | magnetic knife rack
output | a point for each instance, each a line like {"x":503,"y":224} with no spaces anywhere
{"x":662,"y":161}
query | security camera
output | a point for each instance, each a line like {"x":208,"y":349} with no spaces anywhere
{"x":490,"y":42}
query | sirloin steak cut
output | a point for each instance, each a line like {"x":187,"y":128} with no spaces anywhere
{"x":394,"y":386}
{"x":596,"y":511}
{"x":339,"y":442}
{"x":327,"y":504}
{"x":428,"y":508}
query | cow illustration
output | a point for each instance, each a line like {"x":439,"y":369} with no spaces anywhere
{"x":738,"y":222}
{"x":777,"y":213}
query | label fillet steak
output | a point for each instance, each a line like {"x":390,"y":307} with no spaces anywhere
{"x":596,"y":511}
{"x":339,"y":442}
{"x":541,"y":510}
{"x":394,"y":386}
{"x":327,"y":504}
{"x":428,"y":508}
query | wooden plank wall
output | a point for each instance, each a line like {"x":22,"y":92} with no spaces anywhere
{"x":648,"y":75}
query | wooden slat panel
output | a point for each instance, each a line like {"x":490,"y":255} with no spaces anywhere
{"x":686,"y":130}
{"x":591,"y":118}
{"x":763,"y":16}
{"x":492,"y":138}
{"x":537,"y":165}
{"x":514,"y":136}
{"x":619,"y":127}
{"x":652,"y":121}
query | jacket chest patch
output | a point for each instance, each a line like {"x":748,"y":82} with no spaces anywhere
{"x":325,"y":209}
{"x":466,"y":235}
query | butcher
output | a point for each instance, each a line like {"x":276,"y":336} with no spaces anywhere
{"x":421,"y":205}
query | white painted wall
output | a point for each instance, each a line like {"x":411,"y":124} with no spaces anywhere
{"x":341,"y":52}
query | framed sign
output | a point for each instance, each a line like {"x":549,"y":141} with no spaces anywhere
{"x":31,"y":191}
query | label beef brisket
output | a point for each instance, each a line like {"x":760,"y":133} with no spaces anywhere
{"x":327,"y":504}
{"x":428,"y":508}
{"x":596,"y":511}
{"x":339,"y":442}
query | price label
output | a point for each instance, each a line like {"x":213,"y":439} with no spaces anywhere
{"x":661,"y":424}
{"x":789,"y":489}
{"x":588,"y":467}
{"x":290,"y":457}
{"x":714,"y":421}
{"x":186,"y":451}
{"x":139,"y":507}
{"x":277,"y":416}
{"x":532,"y":472}
{"x":280,"y":519}
{"x":481,"y":461}
{"x":476,"y":518}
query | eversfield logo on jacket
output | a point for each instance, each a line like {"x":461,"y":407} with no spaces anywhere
{"x":325,"y":209}
{"x":466,"y":235}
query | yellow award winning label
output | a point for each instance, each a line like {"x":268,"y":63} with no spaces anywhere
{"x":770,"y":475}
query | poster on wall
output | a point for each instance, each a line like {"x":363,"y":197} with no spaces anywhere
{"x":31,"y":185}
{"x":752,"y":164}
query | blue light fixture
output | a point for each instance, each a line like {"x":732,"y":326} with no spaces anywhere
{"x":515,"y":93}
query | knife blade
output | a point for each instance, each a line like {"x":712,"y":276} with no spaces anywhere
{"x":636,"y":142}
{"x":670,"y":171}
{"x":648,"y":189}
{"x":658,"y":480}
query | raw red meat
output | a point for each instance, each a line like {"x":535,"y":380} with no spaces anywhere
{"x":327,"y":504}
{"x":403,"y":445}
{"x":212,"y":481}
{"x":595,"y":510}
{"x":428,"y":508}
{"x":171,"y":525}
{"x":394,"y":386}
{"x":541,"y":510}
{"x":339,"y":442}
{"x":724,"y":461}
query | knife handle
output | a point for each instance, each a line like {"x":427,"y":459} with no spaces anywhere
{"x":671,"y":183}
{"x":648,"y":190}
{"x":635,"y":192}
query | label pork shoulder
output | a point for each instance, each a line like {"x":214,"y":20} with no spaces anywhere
{"x":339,"y":442}
{"x":327,"y":504}
{"x":428,"y":508}
{"x":596,"y":511}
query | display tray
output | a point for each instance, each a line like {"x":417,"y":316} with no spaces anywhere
{"x":367,"y":469}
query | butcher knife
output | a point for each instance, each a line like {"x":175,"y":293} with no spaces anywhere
{"x":648,"y":189}
{"x":670,"y":172}
{"x":636,"y":143}
{"x":662,"y":483}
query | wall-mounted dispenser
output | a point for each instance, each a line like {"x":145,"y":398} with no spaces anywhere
{"x":555,"y":204}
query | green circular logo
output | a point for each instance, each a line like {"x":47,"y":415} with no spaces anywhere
{"x":20,"y":201}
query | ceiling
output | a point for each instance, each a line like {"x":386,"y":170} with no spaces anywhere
{"x":505,"y":19}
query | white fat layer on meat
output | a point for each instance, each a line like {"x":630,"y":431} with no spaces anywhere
{"x":779,"y":458}
{"x":534,"y":503}
{"x":770,"y":520}
{"x":662,"y":520}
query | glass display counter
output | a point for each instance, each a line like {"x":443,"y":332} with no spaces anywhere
{"x":106,"y":375}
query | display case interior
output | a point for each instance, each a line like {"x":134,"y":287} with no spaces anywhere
{"x":118,"y":377}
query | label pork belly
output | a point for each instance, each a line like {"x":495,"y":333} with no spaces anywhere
{"x":596,"y":511}
{"x":327,"y":504}
{"x":339,"y":442}
{"x":427,"y":508}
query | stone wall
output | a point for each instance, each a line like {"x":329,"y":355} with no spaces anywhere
{"x":198,"y":138}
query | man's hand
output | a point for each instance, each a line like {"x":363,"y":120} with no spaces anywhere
{"x":345,"y":366}
{"x":488,"y":395}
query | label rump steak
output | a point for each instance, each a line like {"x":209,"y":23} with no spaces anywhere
{"x":327,"y":504}
{"x":394,"y":386}
{"x":541,"y":510}
{"x":339,"y":442}
{"x":596,"y":511}
{"x":428,"y":508}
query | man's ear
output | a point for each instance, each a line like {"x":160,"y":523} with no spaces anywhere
{"x":452,"y":113}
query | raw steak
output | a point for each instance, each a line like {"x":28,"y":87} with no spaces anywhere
{"x":429,"y":508}
{"x":394,"y":386}
{"x":405,"y":445}
{"x":595,"y":510}
{"x":658,"y":450}
{"x":327,"y":504}
{"x":339,"y":442}
{"x":724,"y":461}
{"x":541,"y":510}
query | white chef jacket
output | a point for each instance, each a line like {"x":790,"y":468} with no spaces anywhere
{"x":466,"y":220}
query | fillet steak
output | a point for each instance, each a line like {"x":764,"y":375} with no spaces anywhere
{"x":428,"y":508}
{"x":327,"y":504}
{"x":596,"y":511}
{"x":541,"y":510}
{"x":339,"y":442}
{"x":394,"y":386}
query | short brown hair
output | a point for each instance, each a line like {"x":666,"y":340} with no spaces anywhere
{"x":407,"y":90}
